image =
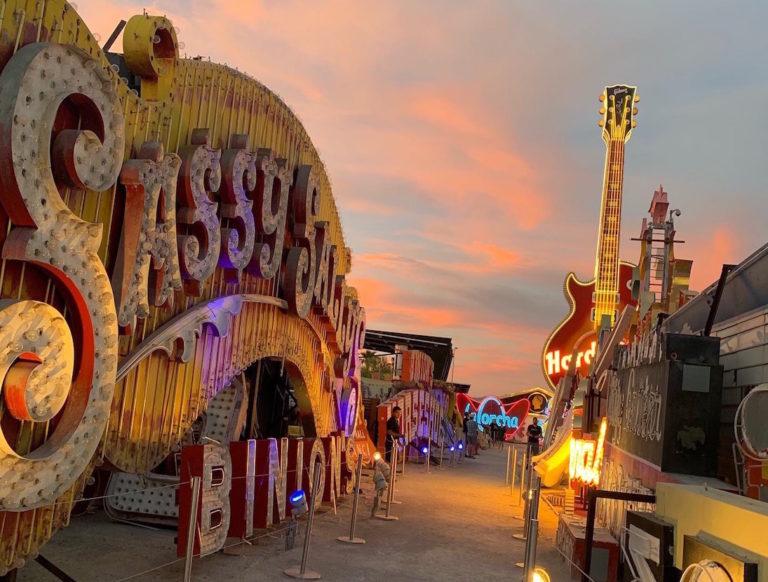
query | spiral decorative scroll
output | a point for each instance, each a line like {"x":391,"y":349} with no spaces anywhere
{"x":38,"y":81}
{"x":36,"y":364}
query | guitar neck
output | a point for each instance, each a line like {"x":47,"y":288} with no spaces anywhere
{"x":607,"y":260}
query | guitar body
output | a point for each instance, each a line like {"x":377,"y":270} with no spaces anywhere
{"x":577,"y":330}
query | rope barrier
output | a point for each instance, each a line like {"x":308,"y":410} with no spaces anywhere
{"x":275,"y":533}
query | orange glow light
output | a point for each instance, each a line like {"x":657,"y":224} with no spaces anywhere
{"x":587,"y":458}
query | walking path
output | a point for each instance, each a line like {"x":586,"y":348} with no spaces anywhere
{"x":456,"y":523}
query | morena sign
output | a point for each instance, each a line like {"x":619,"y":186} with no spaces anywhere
{"x":491,"y":411}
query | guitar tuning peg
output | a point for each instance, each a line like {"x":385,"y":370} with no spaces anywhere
{"x":602,"y":110}
{"x":634,"y":123}
{"x":634,"y":111}
{"x":601,"y":123}
{"x":637,"y":98}
{"x":601,"y":98}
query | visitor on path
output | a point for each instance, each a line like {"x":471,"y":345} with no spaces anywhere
{"x":534,"y":434}
{"x":393,"y":431}
{"x":471,"y":437}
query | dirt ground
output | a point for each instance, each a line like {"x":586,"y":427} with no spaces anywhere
{"x":456,"y":523}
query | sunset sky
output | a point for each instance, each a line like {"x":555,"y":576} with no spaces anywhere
{"x":462,"y":142}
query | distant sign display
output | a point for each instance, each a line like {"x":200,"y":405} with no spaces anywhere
{"x":491,"y":411}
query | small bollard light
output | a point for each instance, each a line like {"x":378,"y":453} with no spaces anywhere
{"x":452,"y":448}
{"x":380,"y":482}
{"x":424,"y":450}
{"x":461,"y":446}
{"x":381,"y":472}
{"x":298,"y":503}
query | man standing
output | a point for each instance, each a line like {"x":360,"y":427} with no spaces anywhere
{"x":534,"y":434}
{"x":393,"y":431}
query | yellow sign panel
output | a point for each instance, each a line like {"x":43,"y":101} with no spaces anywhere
{"x":165,"y":223}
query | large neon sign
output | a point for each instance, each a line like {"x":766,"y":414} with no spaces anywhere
{"x":587,"y":458}
{"x":491,"y":411}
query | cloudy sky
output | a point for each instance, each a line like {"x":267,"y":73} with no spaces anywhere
{"x":463,"y":146}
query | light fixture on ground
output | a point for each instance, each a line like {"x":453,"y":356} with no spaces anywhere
{"x":301,"y":571}
{"x":540,"y":575}
{"x":298,"y":503}
{"x":298,"y":507}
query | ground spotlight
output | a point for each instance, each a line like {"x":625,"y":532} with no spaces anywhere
{"x":377,"y":456}
{"x":540,"y":575}
{"x":452,"y":448}
{"x":298,"y":503}
{"x":461,"y":446}
{"x":424,"y":450}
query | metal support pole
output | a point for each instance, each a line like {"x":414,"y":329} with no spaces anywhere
{"x":514,"y":468}
{"x":52,"y":568}
{"x":352,"y":539}
{"x":301,"y":571}
{"x":522,"y":480}
{"x":192,"y":529}
{"x":394,"y":479}
{"x":509,"y":459}
{"x":527,"y":498}
{"x":405,"y":449}
{"x":533,"y":529}
{"x":429,"y":445}
{"x":391,"y":492}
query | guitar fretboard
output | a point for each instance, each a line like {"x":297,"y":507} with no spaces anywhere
{"x":607,"y":261}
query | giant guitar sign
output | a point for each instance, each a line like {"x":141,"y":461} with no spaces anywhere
{"x":598,"y":302}
{"x":164,"y":224}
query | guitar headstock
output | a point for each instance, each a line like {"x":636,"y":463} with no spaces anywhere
{"x":618,"y":112}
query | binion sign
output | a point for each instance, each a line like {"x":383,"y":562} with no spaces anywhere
{"x":491,"y":411}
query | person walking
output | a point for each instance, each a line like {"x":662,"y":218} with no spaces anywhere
{"x":393,"y":431}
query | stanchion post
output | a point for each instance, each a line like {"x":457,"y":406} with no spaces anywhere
{"x":522,"y":479}
{"x":394,"y":478}
{"x":509,"y":458}
{"x":352,"y":539}
{"x":391,"y":492}
{"x":533,"y":529}
{"x":514,"y":468}
{"x":301,"y":571}
{"x":429,"y":444}
{"x":192,"y":530}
